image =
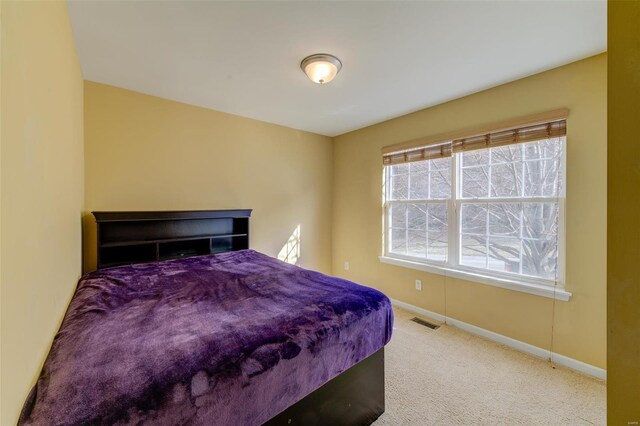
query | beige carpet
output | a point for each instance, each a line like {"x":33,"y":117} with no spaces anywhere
{"x":450,"y":377}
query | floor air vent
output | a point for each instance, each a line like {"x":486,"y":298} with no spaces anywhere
{"x":425,"y":323}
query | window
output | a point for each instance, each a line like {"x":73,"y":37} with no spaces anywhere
{"x":493,"y":208}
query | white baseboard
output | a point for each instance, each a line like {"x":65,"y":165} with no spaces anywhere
{"x":574,"y":364}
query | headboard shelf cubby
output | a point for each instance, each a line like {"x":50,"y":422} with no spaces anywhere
{"x":136,"y":237}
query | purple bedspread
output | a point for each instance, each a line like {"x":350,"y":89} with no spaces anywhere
{"x":229,"y":339}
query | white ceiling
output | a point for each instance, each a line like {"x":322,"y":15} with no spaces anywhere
{"x":398,"y":57}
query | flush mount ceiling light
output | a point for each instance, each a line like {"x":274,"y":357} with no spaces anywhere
{"x":321,"y":68}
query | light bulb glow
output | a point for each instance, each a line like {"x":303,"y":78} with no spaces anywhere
{"x":321,"y":72}
{"x":321,"y":68}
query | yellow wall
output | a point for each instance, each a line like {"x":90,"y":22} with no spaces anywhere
{"x":147,"y":153}
{"x":41,"y":188}
{"x":623,"y":361}
{"x":357,"y":212}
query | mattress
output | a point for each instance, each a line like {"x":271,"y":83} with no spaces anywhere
{"x":230,"y":339}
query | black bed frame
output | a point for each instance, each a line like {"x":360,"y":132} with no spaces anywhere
{"x":355,"y":397}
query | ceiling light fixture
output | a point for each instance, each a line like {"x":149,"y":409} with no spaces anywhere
{"x":321,"y":68}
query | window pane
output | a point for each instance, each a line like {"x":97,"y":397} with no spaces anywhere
{"x":441,"y":164}
{"x":521,"y":237}
{"x":398,"y":215}
{"x":399,"y":187}
{"x":475,"y":158}
{"x":438,"y":249}
{"x":474,"y":251}
{"x":548,"y":148}
{"x":440,"y":185}
{"x":419,"y":229}
{"x":417,"y":244}
{"x":398,"y":241}
{"x":419,"y":186}
{"x":421,"y":180}
{"x":540,"y":220}
{"x":506,"y":154}
{"x":525,"y":170}
{"x":438,"y":239}
{"x":533,"y":151}
{"x":543,"y":168}
{"x":551,"y":148}
{"x":474,"y":218}
{"x":504,"y":254}
{"x":504,"y":219}
{"x":419,"y":167}
{"x":438,"y":218}
{"x":400,"y":169}
{"x":475,"y":182}
{"x":506,"y":180}
{"x":542,"y":178}
{"x":540,"y":258}
{"x":417,"y":218}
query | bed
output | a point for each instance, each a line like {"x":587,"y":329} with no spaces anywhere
{"x":229,"y":337}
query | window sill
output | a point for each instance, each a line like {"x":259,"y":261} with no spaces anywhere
{"x":538,"y":290}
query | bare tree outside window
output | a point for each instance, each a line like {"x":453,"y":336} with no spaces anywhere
{"x":420,"y":229}
{"x":507,"y":204}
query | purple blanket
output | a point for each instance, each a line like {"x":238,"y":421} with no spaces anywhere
{"x":230,"y":339}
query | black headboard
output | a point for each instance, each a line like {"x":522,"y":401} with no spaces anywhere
{"x":136,"y":237}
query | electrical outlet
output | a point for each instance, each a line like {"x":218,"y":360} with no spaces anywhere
{"x":419,"y":285}
{"x":346,"y":266}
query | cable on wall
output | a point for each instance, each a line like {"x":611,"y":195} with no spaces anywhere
{"x":559,"y":188}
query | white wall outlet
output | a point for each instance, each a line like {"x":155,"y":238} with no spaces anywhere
{"x":419,"y":285}
{"x":346,"y":266}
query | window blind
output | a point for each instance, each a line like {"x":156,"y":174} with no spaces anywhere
{"x":507,"y":137}
{"x":418,"y":154}
{"x":542,"y":126}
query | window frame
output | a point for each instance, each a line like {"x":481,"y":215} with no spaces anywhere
{"x":452,"y":266}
